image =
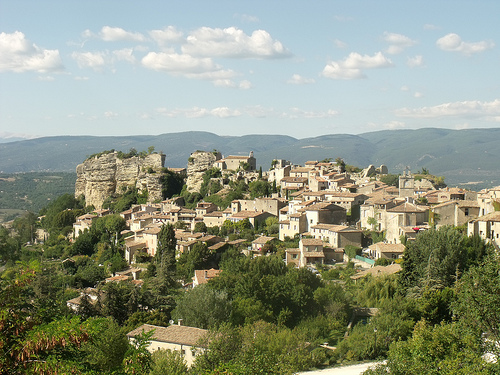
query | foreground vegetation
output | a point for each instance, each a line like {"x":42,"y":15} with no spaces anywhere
{"x":439,"y":315}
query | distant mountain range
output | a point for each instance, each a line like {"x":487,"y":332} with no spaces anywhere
{"x":462,"y":156}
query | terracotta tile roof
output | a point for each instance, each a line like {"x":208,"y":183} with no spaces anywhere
{"x":311,"y":242}
{"x":175,"y":334}
{"x":262,"y":240}
{"x":322,"y":206}
{"x":247,"y":214}
{"x":378,"y":271}
{"x":406,"y":207}
{"x":204,"y":275}
{"x":152,"y":230}
{"x":217,"y":246}
{"x":214,"y":214}
{"x":388,"y":247}
{"x":492,"y":216}
{"x":334,"y":228}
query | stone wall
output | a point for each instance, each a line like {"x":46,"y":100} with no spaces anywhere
{"x":102,"y":176}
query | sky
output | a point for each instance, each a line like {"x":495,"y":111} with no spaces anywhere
{"x":297,"y":68}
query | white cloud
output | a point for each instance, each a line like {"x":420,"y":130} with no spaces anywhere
{"x":339,"y":44}
{"x":234,"y":43}
{"x":394,"y":125}
{"x":125,"y":54}
{"x":110,"y":114}
{"x":190,"y":67}
{"x":81,"y":78}
{"x":454,"y":43}
{"x":224,"y":112}
{"x":260,"y":112}
{"x":299,"y":80}
{"x":178,"y":63}
{"x":299,"y":113}
{"x":166,"y":36}
{"x":93,"y":60}
{"x":197,"y":112}
{"x":397,"y":42}
{"x":415,"y":61}
{"x":473,"y":108}
{"x":17,"y":54}
{"x":245,"y":85}
{"x":116,"y":34}
{"x":405,"y":88}
{"x":418,"y":94}
{"x":351,"y":67}
{"x":247,"y":18}
{"x":46,"y":78}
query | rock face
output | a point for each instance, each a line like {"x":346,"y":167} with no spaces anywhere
{"x":198,"y":163}
{"x":104,"y":175}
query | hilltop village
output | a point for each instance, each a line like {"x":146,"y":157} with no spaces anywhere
{"x":321,"y":203}
{"x":223,"y":267}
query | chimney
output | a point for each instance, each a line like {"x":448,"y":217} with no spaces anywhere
{"x":179,"y":322}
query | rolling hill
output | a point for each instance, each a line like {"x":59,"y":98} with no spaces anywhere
{"x":462,"y":156}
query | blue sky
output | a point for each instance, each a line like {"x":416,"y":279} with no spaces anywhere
{"x":298,"y":68}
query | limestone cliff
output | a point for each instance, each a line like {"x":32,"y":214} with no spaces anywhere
{"x":104,"y":175}
{"x":198,"y":163}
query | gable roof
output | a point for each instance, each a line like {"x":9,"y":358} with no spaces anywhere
{"x":175,"y":334}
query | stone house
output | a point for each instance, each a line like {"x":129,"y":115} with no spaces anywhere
{"x":295,"y":224}
{"x":202,"y":276}
{"x":82,"y":223}
{"x":203,"y":208}
{"x":337,"y":235}
{"x":311,"y":251}
{"x":387,"y":250}
{"x":487,"y":227}
{"x":301,"y":172}
{"x":455,"y":212}
{"x":215,"y":218}
{"x":487,"y":200}
{"x":323,"y":212}
{"x":259,"y":242}
{"x":292,"y":184}
{"x":403,"y":215}
{"x":254,"y":217}
{"x":234,"y":162}
{"x":280,"y":171}
{"x":270,"y":205}
{"x":175,"y":337}
{"x":375,"y":207}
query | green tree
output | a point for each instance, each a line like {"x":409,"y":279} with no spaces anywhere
{"x":478,"y":301}
{"x":200,"y":227}
{"x":105,"y":351}
{"x":168,"y":362}
{"x":203,"y":307}
{"x":28,"y":344}
{"x":439,"y":349}
{"x":437,"y":258}
{"x":138,"y":359}
{"x":259,"y":188}
{"x":165,"y":251}
{"x":197,"y":258}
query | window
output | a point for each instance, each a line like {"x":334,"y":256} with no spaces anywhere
{"x":294,"y":256}
{"x":466,"y":212}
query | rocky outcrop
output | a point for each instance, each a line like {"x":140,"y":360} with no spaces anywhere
{"x":198,"y":163}
{"x":101,"y":176}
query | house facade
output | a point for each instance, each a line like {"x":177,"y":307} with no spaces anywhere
{"x":175,"y":337}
